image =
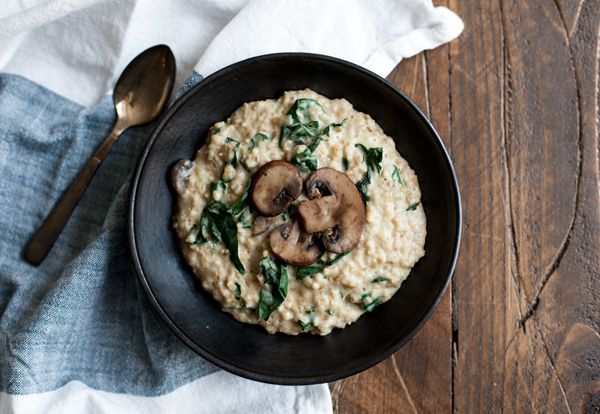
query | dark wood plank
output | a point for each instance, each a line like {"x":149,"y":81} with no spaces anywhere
{"x":542,"y":131}
{"x":486,"y":309}
{"x":524,"y":133}
{"x":568,"y":310}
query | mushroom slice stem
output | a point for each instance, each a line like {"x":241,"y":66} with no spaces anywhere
{"x":274,"y":186}
{"x":319,"y":214}
{"x":335,"y":209}
{"x":292,"y":245}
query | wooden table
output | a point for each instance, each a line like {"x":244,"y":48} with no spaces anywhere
{"x":516,"y":100}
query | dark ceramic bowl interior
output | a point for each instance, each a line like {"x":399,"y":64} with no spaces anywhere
{"x":247,"y":350}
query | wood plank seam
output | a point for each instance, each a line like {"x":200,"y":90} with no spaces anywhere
{"x":453,"y":288}
{"x":426,"y":77}
{"x":403,"y":384}
{"x":506,"y":125}
{"x":547,"y":352}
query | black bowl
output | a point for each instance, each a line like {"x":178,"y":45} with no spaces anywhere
{"x":193,"y":315}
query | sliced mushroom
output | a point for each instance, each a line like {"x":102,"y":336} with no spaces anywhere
{"x":180,"y":172}
{"x":261,"y":224}
{"x":334,"y":209}
{"x":292,"y":245}
{"x":274,"y":186}
{"x":319,"y":215}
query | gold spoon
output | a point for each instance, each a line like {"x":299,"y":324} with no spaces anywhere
{"x":139,"y":96}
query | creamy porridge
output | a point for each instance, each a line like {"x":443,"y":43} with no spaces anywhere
{"x":299,"y":214}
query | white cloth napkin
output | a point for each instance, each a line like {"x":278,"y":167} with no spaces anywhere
{"x":77,"y":48}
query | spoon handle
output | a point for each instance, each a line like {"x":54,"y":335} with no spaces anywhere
{"x":44,"y":238}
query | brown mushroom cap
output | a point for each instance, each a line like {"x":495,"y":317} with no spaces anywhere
{"x":274,"y":186}
{"x":335,"y":208}
{"x":292,"y":245}
{"x":180,"y":172}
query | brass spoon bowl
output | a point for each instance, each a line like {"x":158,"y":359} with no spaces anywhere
{"x":140,"y":94}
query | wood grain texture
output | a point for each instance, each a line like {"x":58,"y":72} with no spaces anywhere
{"x":516,"y":99}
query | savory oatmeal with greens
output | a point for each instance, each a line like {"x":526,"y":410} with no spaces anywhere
{"x":299,"y":214}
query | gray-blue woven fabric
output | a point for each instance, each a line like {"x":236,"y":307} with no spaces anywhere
{"x":81,"y":315}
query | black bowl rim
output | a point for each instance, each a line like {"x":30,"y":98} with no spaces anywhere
{"x":274,"y":379}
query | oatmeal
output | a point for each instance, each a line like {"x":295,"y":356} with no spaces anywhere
{"x":299,"y":214}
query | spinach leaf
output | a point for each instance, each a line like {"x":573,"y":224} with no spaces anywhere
{"x":372,"y":156}
{"x":413,"y":206}
{"x":259,"y":136}
{"x":229,"y":236}
{"x":299,"y":134}
{"x":368,"y":307}
{"x":323,"y":135}
{"x":205,"y":233}
{"x":345,"y":163}
{"x":336,"y":259}
{"x":218,"y":225}
{"x":236,"y":208}
{"x":312,"y":147}
{"x":327,"y":129}
{"x":241,"y":210}
{"x":222,"y":184}
{"x":245,"y":219}
{"x":276,"y":277}
{"x":234,"y":160}
{"x":282,"y":286}
{"x":303,"y":130}
{"x":305,"y":161}
{"x":300,"y":110}
{"x":266,"y":304}
{"x":333,"y":125}
{"x":329,"y":312}
{"x":396,"y":176}
{"x":305,"y":326}
{"x":363,"y":185}
{"x":254,"y":142}
{"x":238,"y":291}
{"x":306,"y":271}
{"x":378,"y":279}
{"x":270,"y":270}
